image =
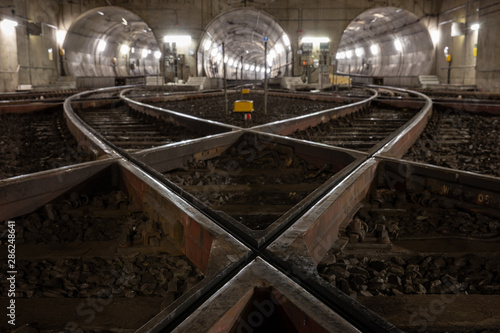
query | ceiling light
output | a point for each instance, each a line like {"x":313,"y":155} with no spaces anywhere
{"x":341,"y":55}
{"x":252,"y":67}
{"x":157,"y":54}
{"x":230,"y":62}
{"x":214,"y":52}
{"x":124,"y":49}
{"x":124,"y":22}
{"x":178,"y":39}
{"x":359,"y":52}
{"x":374,"y":49}
{"x":315,"y":40}
{"x":435,"y":36}
{"x":348,"y":54}
{"x":60,"y":35}
{"x":475,"y":26}
{"x":397,"y":45}
{"x":101,"y":46}
{"x":226,"y":59}
{"x":100,"y":13}
{"x":144,"y":53}
{"x":286,"y":40}
{"x":8,"y":24}
{"x":247,"y":66}
{"x":207,"y":44}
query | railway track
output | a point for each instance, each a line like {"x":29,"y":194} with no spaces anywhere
{"x":360,"y":131}
{"x":37,"y":142}
{"x":460,"y":140}
{"x":37,"y":95}
{"x":131,"y":130}
{"x":299,"y":208}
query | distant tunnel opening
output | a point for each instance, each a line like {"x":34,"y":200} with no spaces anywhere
{"x":243,"y":32}
{"x":110,"y":41}
{"x":386,"y":42}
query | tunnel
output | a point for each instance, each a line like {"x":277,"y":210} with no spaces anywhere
{"x":386,"y":42}
{"x":244,"y":32}
{"x":110,"y":41}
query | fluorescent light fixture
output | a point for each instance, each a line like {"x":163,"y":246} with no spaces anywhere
{"x":101,"y":46}
{"x":315,"y":40}
{"x":286,"y":40}
{"x":60,"y":36}
{"x":214,"y":52}
{"x":374,"y":49}
{"x":268,"y":70}
{"x":235,"y":64}
{"x":263,"y":70}
{"x":132,"y":50}
{"x":207,"y":44}
{"x":157,"y":54}
{"x":247,"y":67}
{"x":397,"y":45}
{"x":272,"y":54}
{"x":252,"y":67}
{"x":100,"y":13}
{"x":178,"y":39}
{"x":348,"y":54}
{"x":257,"y":69}
{"x":475,"y":26}
{"x":359,"y":52}
{"x":218,"y":57}
{"x":124,"y":49}
{"x":226,"y":59}
{"x":8,"y":24}
{"x":340,"y":55}
{"x":230,"y":62}
{"x":149,"y":51}
{"x":144,"y":53}
{"x":124,"y":22}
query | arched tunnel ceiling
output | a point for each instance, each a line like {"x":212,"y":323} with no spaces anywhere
{"x":386,"y":41}
{"x":116,"y":27}
{"x":243,"y":32}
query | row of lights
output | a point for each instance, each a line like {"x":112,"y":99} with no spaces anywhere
{"x":278,"y":49}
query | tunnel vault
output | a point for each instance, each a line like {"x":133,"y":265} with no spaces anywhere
{"x":386,"y":41}
{"x":110,"y":41}
{"x":243,"y":32}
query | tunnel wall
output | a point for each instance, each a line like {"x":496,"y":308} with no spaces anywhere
{"x":400,"y":46}
{"x":298,"y":18}
{"x":104,"y":25}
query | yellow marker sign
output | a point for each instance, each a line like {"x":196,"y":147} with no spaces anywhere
{"x":448,"y":58}
{"x":243,"y":106}
{"x":245,"y":91}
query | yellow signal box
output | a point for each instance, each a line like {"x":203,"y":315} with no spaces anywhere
{"x":245,"y":91}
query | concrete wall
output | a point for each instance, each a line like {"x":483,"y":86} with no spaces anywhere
{"x":488,"y":52}
{"x":462,"y":14}
{"x":8,"y":56}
